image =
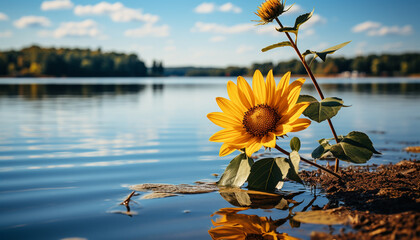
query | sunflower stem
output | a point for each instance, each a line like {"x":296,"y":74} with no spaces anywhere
{"x":309,"y":162}
{"x":318,"y":89}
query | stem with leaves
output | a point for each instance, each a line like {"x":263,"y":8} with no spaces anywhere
{"x":318,"y":89}
{"x":309,"y":162}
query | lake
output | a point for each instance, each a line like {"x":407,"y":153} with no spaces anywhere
{"x":70,"y":149}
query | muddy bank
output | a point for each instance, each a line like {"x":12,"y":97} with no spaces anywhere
{"x":381,"y":202}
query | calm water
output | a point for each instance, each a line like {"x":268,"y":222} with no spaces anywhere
{"x":70,"y":148}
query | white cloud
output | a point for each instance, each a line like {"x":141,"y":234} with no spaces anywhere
{"x":396,"y":30}
{"x":267,"y":29}
{"x":206,"y":7}
{"x":316,"y":19}
{"x":116,"y":11}
{"x":86,"y":28}
{"x":217,"y":39}
{"x":243,"y":49}
{"x":6,"y":34}
{"x":56,"y":5}
{"x":377,"y":29}
{"x":222,"y":29}
{"x":365,"y":26}
{"x":307,"y":33}
{"x":148,"y":30}
{"x":229,"y":7}
{"x":3,"y":17}
{"x":295,"y":9}
{"x":32,"y":21}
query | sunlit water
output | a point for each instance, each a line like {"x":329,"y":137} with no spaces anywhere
{"x":69,"y":149}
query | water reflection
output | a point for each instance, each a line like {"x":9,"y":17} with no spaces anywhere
{"x":38,"y":91}
{"x":402,"y":88}
{"x":126,"y":204}
{"x":233,"y":225}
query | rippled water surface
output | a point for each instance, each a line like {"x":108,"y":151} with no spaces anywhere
{"x":70,"y":148}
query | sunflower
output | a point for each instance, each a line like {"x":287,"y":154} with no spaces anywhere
{"x":253,"y":118}
{"x":269,"y":10}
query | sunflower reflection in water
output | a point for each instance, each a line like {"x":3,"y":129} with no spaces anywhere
{"x":231,"y":225}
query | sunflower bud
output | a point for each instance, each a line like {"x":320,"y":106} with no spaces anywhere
{"x":270,"y":10}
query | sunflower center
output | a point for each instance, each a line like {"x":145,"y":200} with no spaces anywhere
{"x":260,"y":120}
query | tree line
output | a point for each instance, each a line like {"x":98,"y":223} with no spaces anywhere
{"x":65,"y":62}
{"x":372,"y":65}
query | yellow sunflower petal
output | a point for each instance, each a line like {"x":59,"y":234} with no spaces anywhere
{"x":258,"y":86}
{"x":271,"y":88}
{"x":242,"y":140}
{"x":226,"y":149}
{"x":269,"y":140}
{"x":253,"y":147}
{"x":223,"y":120}
{"x":294,"y":113}
{"x":245,"y":93}
{"x":300,"y":124}
{"x":294,"y":91}
{"x":283,"y":84}
{"x":283,"y":129}
{"x":232,"y":90}
{"x":226,"y":135}
{"x":229,"y":107}
{"x":280,"y":100}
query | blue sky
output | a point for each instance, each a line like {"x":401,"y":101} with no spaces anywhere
{"x":210,"y":32}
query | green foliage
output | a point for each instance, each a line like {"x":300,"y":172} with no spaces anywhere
{"x":294,"y":160}
{"x":280,"y":44}
{"x":37,"y":61}
{"x":295,"y":144}
{"x":267,"y":173}
{"x":299,"y":21}
{"x":157,"y":69}
{"x":324,"y":146}
{"x":323,"y":110}
{"x":323,"y":54}
{"x":356,"y":147}
{"x":403,"y":64}
{"x":236,"y":173}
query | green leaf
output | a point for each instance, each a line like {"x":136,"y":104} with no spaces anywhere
{"x":323,"y":110}
{"x":299,"y":21}
{"x":280,"y":44}
{"x":236,"y":172}
{"x":356,"y":147}
{"x":288,"y":29}
{"x":323,"y":54}
{"x":294,"y":160}
{"x":303,"y":18}
{"x":324,"y":146}
{"x":267,"y":173}
{"x":295,"y":144}
{"x":307,"y":52}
